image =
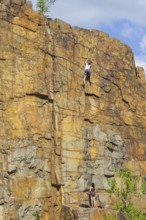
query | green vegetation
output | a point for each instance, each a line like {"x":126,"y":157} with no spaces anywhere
{"x":124,"y":195}
{"x":44,"y":6}
{"x":144,"y":187}
{"x":110,"y":217}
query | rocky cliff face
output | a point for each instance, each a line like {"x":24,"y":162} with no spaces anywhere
{"x":57,"y":136}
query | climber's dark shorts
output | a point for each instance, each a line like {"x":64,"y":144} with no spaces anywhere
{"x":87,"y":73}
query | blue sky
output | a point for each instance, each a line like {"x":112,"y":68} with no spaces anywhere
{"x":122,"y":19}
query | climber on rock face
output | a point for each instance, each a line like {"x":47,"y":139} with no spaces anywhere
{"x":92,"y":195}
{"x":88,"y":63}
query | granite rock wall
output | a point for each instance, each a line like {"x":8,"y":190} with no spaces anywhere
{"x":56,"y":136}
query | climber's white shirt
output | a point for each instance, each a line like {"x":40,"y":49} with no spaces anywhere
{"x":87,"y":66}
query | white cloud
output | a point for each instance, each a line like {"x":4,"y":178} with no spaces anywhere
{"x":131,"y":31}
{"x":143,"y":43}
{"x":88,"y":13}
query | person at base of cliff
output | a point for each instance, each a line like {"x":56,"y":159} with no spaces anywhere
{"x":88,"y":63}
{"x":92,"y":194}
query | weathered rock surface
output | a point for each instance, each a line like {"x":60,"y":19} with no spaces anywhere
{"x":56,"y":137}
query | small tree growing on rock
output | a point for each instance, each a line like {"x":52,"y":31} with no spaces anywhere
{"x":44,"y":6}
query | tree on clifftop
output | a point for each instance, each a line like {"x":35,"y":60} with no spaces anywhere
{"x":44,"y":6}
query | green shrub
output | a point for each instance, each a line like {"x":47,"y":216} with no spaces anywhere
{"x":44,"y":6}
{"x":124,"y":195}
